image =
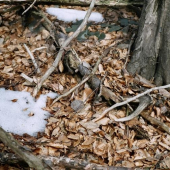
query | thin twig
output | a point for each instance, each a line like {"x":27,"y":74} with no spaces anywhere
{"x":87,"y":78}
{"x":129,"y":48}
{"x":33,"y":59}
{"x":38,"y":49}
{"x":47,"y":24}
{"x":29,"y":79}
{"x":127,"y":103}
{"x":61,"y":51}
{"x":29,"y":7}
{"x":144,"y":102}
{"x":101,"y":82}
{"x":130,"y":100}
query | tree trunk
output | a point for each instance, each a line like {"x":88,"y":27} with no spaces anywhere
{"x":84,"y":2}
{"x":151,"y":57}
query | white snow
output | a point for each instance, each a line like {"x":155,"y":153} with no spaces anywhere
{"x":72,"y":15}
{"x":15,"y":108}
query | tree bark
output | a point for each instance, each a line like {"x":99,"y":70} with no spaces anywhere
{"x":84,"y":2}
{"x":151,"y":57}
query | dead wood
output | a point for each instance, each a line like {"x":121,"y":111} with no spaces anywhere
{"x":28,"y":157}
{"x":81,"y":2}
{"x":156,"y":122}
{"x":57,"y":162}
{"x":82,"y":164}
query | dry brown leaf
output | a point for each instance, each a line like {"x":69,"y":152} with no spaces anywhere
{"x":89,"y":125}
{"x":56,"y":132}
{"x":73,"y":136}
{"x":52,"y":120}
{"x":53,"y":152}
{"x":45,"y":34}
{"x":100,"y":148}
{"x":25,"y":62}
{"x":63,"y":139}
{"x":87,"y":94}
{"x":56,"y":145}
{"x":7,"y":69}
{"x":103,"y":121}
{"x":167,"y":162}
{"x":86,"y":112}
{"x":139,"y":154}
{"x":128,"y":164}
{"x":38,"y":37}
{"x":88,"y":140}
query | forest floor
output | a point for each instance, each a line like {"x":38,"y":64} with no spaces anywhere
{"x":71,"y":132}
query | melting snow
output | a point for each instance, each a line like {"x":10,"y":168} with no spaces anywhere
{"x":15,"y":108}
{"x":72,"y":15}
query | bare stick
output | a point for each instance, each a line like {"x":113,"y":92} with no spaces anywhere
{"x":29,"y":7}
{"x":144,"y":102}
{"x":71,"y":90}
{"x":130,"y":100}
{"x":86,"y":79}
{"x":129,"y":48}
{"x":156,"y":122}
{"x":38,"y":49}
{"x":61,"y":51}
{"x":33,"y":59}
{"x":29,"y":79}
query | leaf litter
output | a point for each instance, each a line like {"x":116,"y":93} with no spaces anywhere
{"x":70,"y":130}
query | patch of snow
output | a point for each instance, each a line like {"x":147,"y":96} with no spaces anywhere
{"x":15,"y":107}
{"x":72,"y":15}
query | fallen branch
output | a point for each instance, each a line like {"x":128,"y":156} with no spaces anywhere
{"x":62,"y":50}
{"x":156,"y":122}
{"x":32,"y":58}
{"x":29,"y":7}
{"x":86,"y":79}
{"x":144,"y":102}
{"x":29,"y":158}
{"x":81,"y":164}
{"x":58,"y":162}
{"x":130,"y":100}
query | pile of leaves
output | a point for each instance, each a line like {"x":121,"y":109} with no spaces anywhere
{"x":72,"y":132}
